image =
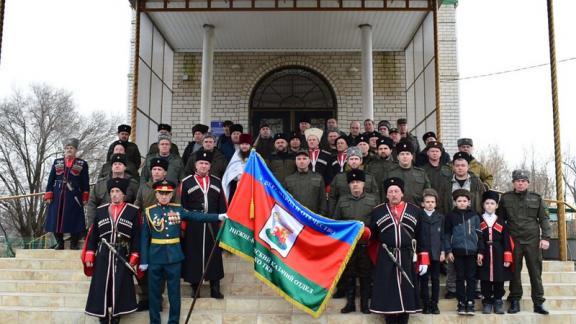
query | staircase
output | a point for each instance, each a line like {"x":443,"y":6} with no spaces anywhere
{"x":47,"y":286}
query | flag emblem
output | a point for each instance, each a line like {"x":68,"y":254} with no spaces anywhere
{"x":280,"y":230}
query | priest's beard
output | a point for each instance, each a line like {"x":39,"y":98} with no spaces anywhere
{"x":244,"y":155}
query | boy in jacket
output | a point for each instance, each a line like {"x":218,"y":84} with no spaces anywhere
{"x":495,"y":255}
{"x":462,"y":233}
{"x":433,"y":233}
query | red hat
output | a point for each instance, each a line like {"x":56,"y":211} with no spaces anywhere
{"x":245,"y":138}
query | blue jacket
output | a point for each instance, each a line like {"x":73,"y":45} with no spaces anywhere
{"x":461,"y":232}
{"x":160,"y":240}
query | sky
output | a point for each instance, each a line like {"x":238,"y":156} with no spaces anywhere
{"x":84,"y":47}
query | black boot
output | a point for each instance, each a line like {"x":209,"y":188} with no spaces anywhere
{"x":350,"y":297}
{"x":75,"y":241}
{"x":142,"y":306}
{"x":487,"y":308}
{"x":540,"y":309}
{"x":115,"y":320}
{"x":498,"y":306}
{"x":514,"y":307}
{"x":59,"y":241}
{"x":364,"y":295}
{"x":434,"y":308}
{"x":194,"y":288}
{"x":215,"y":289}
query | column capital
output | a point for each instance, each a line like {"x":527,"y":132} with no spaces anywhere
{"x":208,"y":27}
{"x":365,"y":26}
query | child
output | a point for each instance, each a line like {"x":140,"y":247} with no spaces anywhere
{"x":495,"y":255}
{"x":433,"y":232}
{"x":462,"y":231}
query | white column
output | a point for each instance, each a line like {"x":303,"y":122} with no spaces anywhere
{"x":207,"y":71}
{"x":367,"y":79}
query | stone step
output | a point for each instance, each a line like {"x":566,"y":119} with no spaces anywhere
{"x":77,"y":275}
{"x":76,"y":316}
{"x":229,"y":288}
{"x":231,"y":304}
{"x":239,"y":264}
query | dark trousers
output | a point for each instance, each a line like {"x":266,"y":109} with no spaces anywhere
{"x":465,"y":266}
{"x":143,"y":288}
{"x":156,"y":274}
{"x":74,"y":237}
{"x":492,"y":290}
{"x":400,"y":318}
{"x":432,"y":275}
{"x":533,"y":256}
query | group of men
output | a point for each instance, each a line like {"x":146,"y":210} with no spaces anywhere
{"x":334,"y":174}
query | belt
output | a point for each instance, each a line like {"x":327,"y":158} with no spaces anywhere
{"x":166,"y":241}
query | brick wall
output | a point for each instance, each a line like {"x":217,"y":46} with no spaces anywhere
{"x":236,"y":75}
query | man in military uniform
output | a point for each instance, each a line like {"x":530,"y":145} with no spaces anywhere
{"x":320,"y":160}
{"x":340,"y":185}
{"x":422,"y":157}
{"x":119,"y":147}
{"x":147,"y":197}
{"x":466,"y":145}
{"x":373,"y":138}
{"x":219,"y":163}
{"x":415,"y":179}
{"x":161,"y":253}
{"x":402,"y":125}
{"x":330,"y":144}
{"x":175,"y":165}
{"x":306,"y":186}
{"x":198,"y":133}
{"x":364,"y":146}
{"x":202,"y":192}
{"x":264,"y":143}
{"x":100,"y":194}
{"x":439,"y":173}
{"x":164,"y":130}
{"x":529,"y":227}
{"x":131,"y":149}
{"x":294,"y":142}
{"x":382,"y":163}
{"x":357,"y":204}
{"x":281,"y":162}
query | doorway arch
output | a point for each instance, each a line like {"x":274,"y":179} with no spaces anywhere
{"x":285,"y":95}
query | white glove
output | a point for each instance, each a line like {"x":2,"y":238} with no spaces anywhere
{"x":143,"y":267}
{"x":422,"y":269}
{"x":222,"y":217}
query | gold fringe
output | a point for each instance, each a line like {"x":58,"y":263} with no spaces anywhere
{"x":299,"y":305}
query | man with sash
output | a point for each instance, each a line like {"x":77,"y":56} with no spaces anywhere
{"x":161,"y":251}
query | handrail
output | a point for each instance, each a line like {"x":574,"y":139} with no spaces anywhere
{"x":21,"y":196}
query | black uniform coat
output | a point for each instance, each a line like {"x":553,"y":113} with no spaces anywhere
{"x":264,"y":146}
{"x":432,"y":233}
{"x":199,"y":236}
{"x":109,"y":272}
{"x":323,"y":165}
{"x":189,"y":151}
{"x":391,"y":293}
{"x":494,"y":245}
{"x":132,"y":153}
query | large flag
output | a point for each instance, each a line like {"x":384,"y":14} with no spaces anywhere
{"x":296,"y":252}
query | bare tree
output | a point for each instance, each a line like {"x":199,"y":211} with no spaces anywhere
{"x":33,"y":126}
{"x":541,"y":179}
{"x":493,"y":159}
{"x":570,"y":175}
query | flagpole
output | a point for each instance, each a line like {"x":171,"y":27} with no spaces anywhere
{"x":197,"y":292}
{"x":557,"y":147}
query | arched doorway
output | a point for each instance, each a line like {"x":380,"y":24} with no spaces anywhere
{"x":286,"y":95}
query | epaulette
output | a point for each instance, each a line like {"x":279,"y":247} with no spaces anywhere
{"x":186,"y":178}
{"x":132,"y":205}
{"x":174,"y":204}
{"x":215,"y":177}
{"x":105,"y":205}
{"x":326,"y":152}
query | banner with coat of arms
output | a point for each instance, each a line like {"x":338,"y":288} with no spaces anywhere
{"x":298,"y":253}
